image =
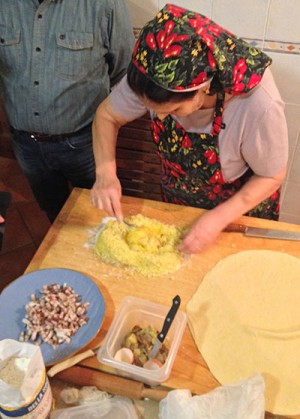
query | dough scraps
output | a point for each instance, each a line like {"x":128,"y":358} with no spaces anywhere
{"x":148,"y":246}
{"x":245,"y":319}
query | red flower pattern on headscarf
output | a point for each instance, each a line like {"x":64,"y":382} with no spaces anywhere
{"x":179,"y":45}
{"x":254,"y":80}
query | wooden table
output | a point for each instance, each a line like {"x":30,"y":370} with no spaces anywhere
{"x":66,"y":246}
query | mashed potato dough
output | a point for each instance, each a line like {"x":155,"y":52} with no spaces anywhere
{"x":147,"y":245}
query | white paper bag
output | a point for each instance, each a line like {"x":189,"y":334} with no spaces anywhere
{"x":24,"y":387}
{"x":241,"y":400}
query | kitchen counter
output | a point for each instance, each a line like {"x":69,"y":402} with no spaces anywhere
{"x":68,"y":245}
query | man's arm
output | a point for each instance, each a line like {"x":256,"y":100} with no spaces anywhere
{"x":121,"y":41}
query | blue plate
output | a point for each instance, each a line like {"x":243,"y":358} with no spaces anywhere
{"x":16,"y":295}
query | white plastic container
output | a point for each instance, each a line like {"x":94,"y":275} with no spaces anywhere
{"x":114,"y":408}
{"x":134,"y":311}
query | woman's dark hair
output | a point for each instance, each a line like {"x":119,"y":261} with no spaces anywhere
{"x":215,"y":85}
{"x":145,"y":87}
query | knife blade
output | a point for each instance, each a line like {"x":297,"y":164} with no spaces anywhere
{"x":266,"y":233}
{"x":166,"y":326}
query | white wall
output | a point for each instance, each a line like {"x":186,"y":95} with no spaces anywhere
{"x":273,"y":25}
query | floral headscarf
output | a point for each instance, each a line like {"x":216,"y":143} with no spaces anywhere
{"x":180,"y":49}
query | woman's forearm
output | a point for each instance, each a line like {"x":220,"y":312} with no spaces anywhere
{"x":207,"y":227}
{"x":256,"y":190}
{"x":106,"y":192}
{"x":105,"y":131}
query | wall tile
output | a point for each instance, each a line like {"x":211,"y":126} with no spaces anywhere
{"x":282,"y":192}
{"x":283,"y":21}
{"x":243,"y":18}
{"x":141,"y":12}
{"x":292,"y":113}
{"x":291,"y":201}
{"x":203,"y":6}
{"x":290,"y":161}
{"x":289,"y":218}
{"x":294,"y":173}
{"x":285,"y":69}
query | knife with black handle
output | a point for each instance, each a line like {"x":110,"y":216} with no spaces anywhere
{"x":166,"y":326}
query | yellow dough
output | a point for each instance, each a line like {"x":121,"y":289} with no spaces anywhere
{"x":245,"y":318}
{"x":147,"y":246}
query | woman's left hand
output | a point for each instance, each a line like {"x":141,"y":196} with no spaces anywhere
{"x":206,"y":229}
{"x":202,"y":233}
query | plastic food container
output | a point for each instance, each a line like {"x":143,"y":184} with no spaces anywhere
{"x":113,"y":408}
{"x":134,"y":311}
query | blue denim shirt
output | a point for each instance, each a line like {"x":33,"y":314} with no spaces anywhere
{"x":59,"y":60}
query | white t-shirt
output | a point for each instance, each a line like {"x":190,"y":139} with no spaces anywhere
{"x":255,"y":133}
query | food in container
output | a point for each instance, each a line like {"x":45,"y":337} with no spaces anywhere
{"x":134,"y":311}
{"x":140,"y":341}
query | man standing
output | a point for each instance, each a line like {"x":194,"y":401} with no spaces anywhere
{"x":58,"y":60}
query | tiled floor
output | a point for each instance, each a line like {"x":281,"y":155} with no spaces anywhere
{"x":26,"y":224}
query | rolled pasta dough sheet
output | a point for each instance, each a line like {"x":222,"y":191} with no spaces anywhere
{"x":245,"y":319}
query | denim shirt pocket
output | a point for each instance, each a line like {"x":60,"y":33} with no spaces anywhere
{"x":10,"y":49}
{"x":73,"y":54}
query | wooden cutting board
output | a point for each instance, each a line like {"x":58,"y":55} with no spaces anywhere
{"x":67,"y":246}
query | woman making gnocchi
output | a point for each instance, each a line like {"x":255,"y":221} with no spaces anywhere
{"x":217,"y":121}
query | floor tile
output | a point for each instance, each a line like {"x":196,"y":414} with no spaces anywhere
{"x":19,"y":187}
{"x":35,"y":220}
{"x":14,"y":180}
{"x":16,"y":233}
{"x":13,"y":264}
{"x":26,"y":225}
{"x":6,"y":149}
{"x":9,"y":167}
{"x":2,"y":184}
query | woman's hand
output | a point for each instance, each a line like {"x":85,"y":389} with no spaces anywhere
{"x":206,"y":229}
{"x":106,"y":191}
{"x":202,"y":233}
{"x":106,"y":195}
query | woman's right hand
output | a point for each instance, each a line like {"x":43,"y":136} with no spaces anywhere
{"x":106,"y":192}
{"x":106,"y":195}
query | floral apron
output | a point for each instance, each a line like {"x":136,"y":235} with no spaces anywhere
{"x":191,"y":170}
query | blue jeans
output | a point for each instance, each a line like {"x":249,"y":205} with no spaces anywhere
{"x":53,"y":168}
